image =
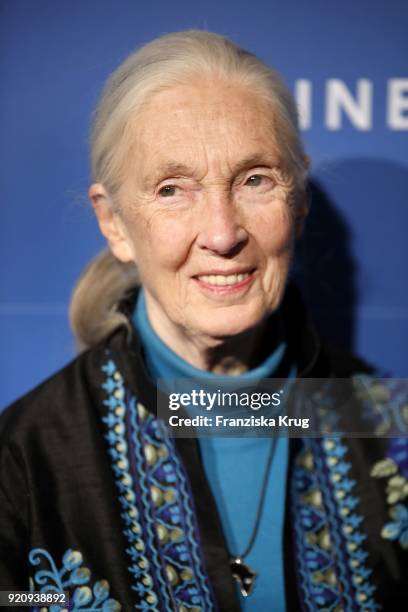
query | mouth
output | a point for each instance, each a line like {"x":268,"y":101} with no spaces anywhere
{"x":223,"y":282}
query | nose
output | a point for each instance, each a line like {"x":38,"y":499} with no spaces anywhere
{"x":221,"y":229}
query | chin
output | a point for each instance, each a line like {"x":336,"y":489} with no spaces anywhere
{"x":231,"y":321}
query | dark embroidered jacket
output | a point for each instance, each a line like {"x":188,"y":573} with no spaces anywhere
{"x":97,"y":500}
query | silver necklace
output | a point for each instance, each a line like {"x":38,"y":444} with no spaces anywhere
{"x":242,"y":572}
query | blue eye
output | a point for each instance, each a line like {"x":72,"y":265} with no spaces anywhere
{"x":167,"y":191}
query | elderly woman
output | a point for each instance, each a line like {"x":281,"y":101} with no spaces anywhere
{"x":199,"y":184}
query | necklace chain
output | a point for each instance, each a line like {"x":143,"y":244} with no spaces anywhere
{"x":261,"y":502}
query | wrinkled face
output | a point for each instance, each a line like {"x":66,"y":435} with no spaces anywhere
{"x":207,"y":211}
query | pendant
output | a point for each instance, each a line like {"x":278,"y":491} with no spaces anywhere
{"x":244,"y":575}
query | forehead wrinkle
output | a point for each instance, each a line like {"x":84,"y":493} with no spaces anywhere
{"x":204,"y":126}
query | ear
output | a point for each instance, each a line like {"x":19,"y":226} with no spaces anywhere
{"x":302,"y":210}
{"x":110,"y":223}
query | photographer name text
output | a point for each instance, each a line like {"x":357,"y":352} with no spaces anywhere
{"x":251,"y":421}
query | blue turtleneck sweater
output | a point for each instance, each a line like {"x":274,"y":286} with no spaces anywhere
{"x":235,"y":468}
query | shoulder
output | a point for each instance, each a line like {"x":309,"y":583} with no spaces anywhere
{"x":316,"y":356}
{"x":344,"y":363}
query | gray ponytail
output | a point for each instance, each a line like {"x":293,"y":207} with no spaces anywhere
{"x":93,"y":311}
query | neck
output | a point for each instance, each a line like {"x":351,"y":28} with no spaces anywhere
{"x":228,"y":356}
{"x":236,"y":355}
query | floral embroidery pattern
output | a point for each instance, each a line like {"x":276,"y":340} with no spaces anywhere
{"x":115,"y":421}
{"x":329,"y":542}
{"x":72,"y":574}
{"x":396,"y":490}
{"x":156,"y":503}
{"x":383,"y":402}
{"x":397,"y":529}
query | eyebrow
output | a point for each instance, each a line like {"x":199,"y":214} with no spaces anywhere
{"x":168,"y":169}
{"x":172,"y":168}
{"x":257,"y":159}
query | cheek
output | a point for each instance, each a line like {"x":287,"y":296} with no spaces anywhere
{"x":274,"y":231}
{"x":162,"y":241}
{"x":276,"y":241}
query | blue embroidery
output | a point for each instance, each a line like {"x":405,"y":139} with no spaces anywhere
{"x":156,"y":503}
{"x":115,"y":421}
{"x":82,"y":597}
{"x":383,"y":404}
{"x":394,"y":468}
{"x":397,"y":529}
{"x":329,"y":543}
{"x":346,"y":523}
{"x":145,"y":496}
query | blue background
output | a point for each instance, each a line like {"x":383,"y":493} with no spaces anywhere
{"x":54,"y":58}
